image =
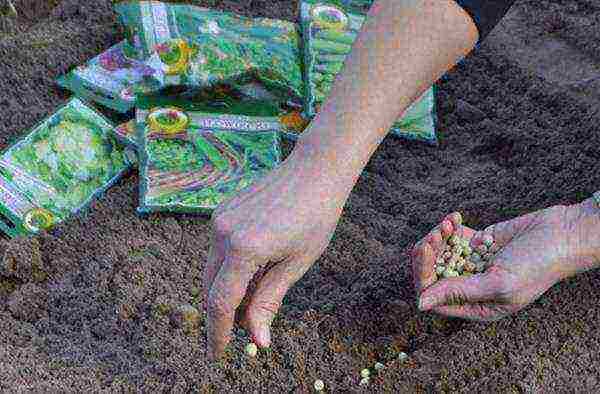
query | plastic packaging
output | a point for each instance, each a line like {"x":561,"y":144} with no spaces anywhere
{"x":328,"y":33}
{"x":192,"y":161}
{"x":58,"y":168}
{"x":111,"y":79}
{"x":194,"y":46}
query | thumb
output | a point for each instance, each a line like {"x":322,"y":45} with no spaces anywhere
{"x":451,"y":291}
{"x":268,"y":297}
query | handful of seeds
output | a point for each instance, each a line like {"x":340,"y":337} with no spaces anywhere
{"x":460,"y":258}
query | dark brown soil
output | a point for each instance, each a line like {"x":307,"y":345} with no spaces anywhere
{"x":88,"y":307}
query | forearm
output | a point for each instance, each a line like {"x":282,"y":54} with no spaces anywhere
{"x":585,"y":231}
{"x":403,"y":48}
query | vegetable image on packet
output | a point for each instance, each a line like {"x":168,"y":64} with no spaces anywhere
{"x":111,"y":79}
{"x":328,"y":33}
{"x":58,"y":168}
{"x":191,"y":161}
{"x":251,"y":99}
{"x":194,"y":46}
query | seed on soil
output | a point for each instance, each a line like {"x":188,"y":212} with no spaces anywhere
{"x":365,"y":373}
{"x":364,"y":381}
{"x":251,"y":349}
{"x":402,"y":356}
{"x":379,"y":366}
{"x":319,"y":385}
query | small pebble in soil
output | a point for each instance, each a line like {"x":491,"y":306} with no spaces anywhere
{"x":364,"y":381}
{"x":365,"y":373}
{"x":185,"y":316}
{"x":379,"y":366}
{"x":319,"y":385}
{"x":251,"y":349}
{"x":402,"y":356}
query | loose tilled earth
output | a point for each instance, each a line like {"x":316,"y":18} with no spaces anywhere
{"x":88,"y":307}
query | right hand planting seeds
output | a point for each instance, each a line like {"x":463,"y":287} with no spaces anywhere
{"x":532,"y":253}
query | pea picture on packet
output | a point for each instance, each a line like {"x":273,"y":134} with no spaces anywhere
{"x":58,"y":168}
{"x":195,"y":46}
{"x":328,"y":33}
{"x":192,"y":161}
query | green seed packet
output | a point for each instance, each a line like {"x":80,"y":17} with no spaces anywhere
{"x":195,"y":46}
{"x":111,"y":79}
{"x":58,"y":168}
{"x":329,"y":32}
{"x":251,"y":99}
{"x":191,"y":161}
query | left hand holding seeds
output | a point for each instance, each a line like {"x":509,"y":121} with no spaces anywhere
{"x":529,"y":255}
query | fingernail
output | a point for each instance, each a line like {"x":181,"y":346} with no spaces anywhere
{"x":263,"y":338}
{"x":425,"y":303}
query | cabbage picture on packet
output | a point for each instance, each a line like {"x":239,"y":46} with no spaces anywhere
{"x":328,"y":34}
{"x":192,"y":161}
{"x":195,"y":46}
{"x":58,"y":168}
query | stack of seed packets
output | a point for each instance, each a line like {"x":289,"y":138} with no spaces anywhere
{"x":194,"y":46}
{"x":329,"y":31}
{"x":191,"y":161}
{"x":58,"y":168}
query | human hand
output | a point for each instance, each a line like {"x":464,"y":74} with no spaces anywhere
{"x":281,"y":224}
{"x":532,"y":253}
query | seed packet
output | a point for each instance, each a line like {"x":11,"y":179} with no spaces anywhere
{"x":58,"y":168}
{"x":194,"y":46}
{"x":328,"y":32}
{"x":111,"y":78}
{"x":191,"y":161}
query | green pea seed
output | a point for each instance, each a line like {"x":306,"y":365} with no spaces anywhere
{"x":440,"y":269}
{"x":453,"y":240}
{"x":457,"y":249}
{"x":450,"y":273}
{"x":365,"y":373}
{"x":467,"y":250}
{"x":319,"y":385}
{"x":379,"y":366}
{"x":402,"y":356}
{"x":488,"y":240}
{"x":364,"y":381}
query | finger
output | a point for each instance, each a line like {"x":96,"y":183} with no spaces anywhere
{"x":478,"y":312}
{"x":268,"y":297}
{"x":427,"y":250}
{"x":216,"y":256}
{"x":462,"y":290}
{"x":226,"y":294}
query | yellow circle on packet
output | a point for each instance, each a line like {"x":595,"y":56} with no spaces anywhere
{"x":329,"y":17}
{"x":38,"y":219}
{"x":168,"y":120}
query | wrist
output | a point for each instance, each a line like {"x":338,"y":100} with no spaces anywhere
{"x":584,"y":225}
